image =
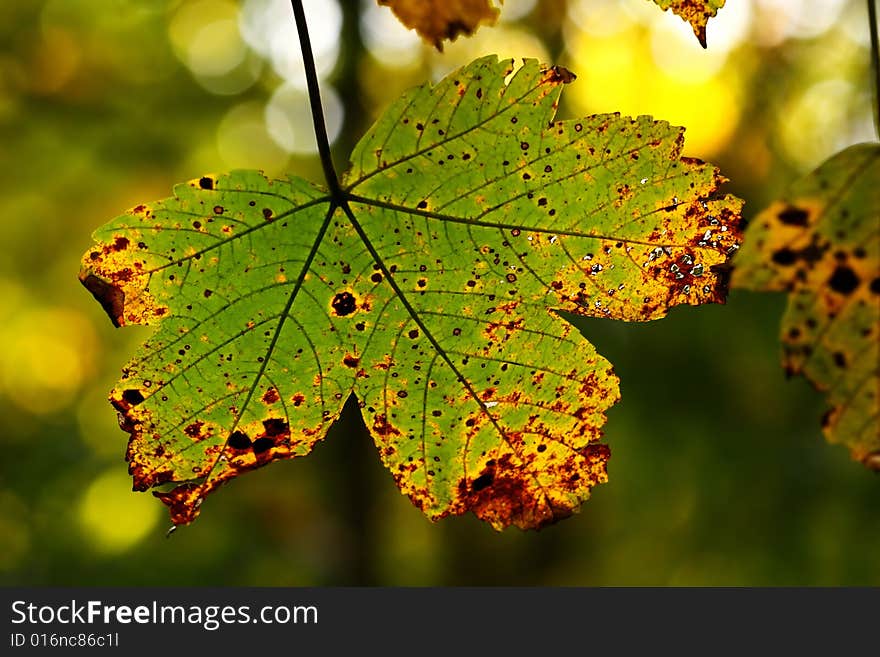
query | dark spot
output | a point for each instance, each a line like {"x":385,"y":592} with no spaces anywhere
{"x":111,"y":298}
{"x":218,"y":209}
{"x":839,"y":359}
{"x":843,"y":280}
{"x":784,"y":257}
{"x":274,"y":426}
{"x":132,"y":397}
{"x":208,"y":293}
{"x":263,"y":444}
{"x":197,"y":224}
{"x":267,"y":214}
{"x":542,"y":448}
{"x":351,"y":361}
{"x":511,"y":278}
{"x":271,"y":396}
{"x":344,"y":304}
{"x":483,"y":481}
{"x":793,"y":216}
{"x":206,"y":183}
{"x":524,"y":145}
{"x":239,"y":440}
{"x":413,"y":334}
{"x":875,"y":285}
{"x":456,"y":332}
{"x":401,"y":393}
{"x":376,"y":278}
{"x":194,"y":429}
{"x":360,"y":326}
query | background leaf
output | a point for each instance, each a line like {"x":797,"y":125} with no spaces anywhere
{"x":821,"y":244}
{"x":433,"y":292}
{"x":695,"y":12}
{"x":440,"y":20}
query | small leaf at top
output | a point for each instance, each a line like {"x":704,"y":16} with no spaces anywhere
{"x":695,"y":12}
{"x":430,"y":288}
{"x":821,"y":244}
{"x":439,"y":20}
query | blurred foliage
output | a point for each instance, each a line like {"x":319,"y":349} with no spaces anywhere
{"x":719,"y":473}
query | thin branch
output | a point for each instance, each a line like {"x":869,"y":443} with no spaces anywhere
{"x":302,"y":29}
{"x":875,"y":61}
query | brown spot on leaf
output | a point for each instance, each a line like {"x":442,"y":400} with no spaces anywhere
{"x":111,"y":297}
{"x":271,"y":396}
{"x":843,"y":280}
{"x":559,"y":74}
{"x":382,"y":427}
{"x":239,"y":440}
{"x":343,"y":304}
{"x":132,"y":397}
{"x":794,"y":216}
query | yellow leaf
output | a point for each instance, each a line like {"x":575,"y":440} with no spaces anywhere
{"x":820,"y":243}
{"x":436,"y":20}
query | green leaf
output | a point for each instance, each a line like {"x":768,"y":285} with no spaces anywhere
{"x":430,"y":288}
{"x":821,"y":244}
{"x":695,"y":12}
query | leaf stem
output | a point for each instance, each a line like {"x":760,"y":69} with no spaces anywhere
{"x":305,"y":44}
{"x":875,"y":61}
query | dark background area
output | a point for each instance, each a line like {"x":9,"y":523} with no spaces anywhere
{"x":719,"y":473}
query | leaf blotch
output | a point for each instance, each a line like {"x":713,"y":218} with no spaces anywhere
{"x":843,"y":280}
{"x":343,"y":304}
{"x":794,"y":216}
{"x":133,"y":397}
{"x":111,"y":297}
{"x":239,"y":440}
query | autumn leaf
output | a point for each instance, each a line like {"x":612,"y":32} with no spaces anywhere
{"x":695,"y":12}
{"x":820,"y":244}
{"x":430,"y":287}
{"x":439,"y":20}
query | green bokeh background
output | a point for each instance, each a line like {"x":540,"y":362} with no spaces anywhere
{"x":719,"y":473}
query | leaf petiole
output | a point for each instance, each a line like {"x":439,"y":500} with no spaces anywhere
{"x":317,"y":111}
{"x":875,"y":61}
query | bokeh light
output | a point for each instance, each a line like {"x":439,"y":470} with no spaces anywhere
{"x":267,"y":26}
{"x":112,"y":519}
{"x":243,"y":140}
{"x":289,"y":120}
{"x":49,"y":355}
{"x":392,"y":44}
